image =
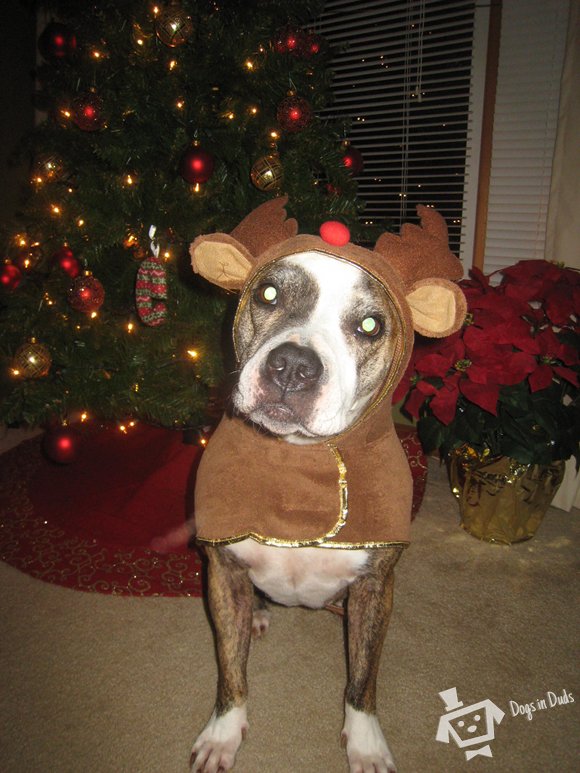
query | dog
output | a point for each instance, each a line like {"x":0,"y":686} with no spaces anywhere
{"x":287,"y":498}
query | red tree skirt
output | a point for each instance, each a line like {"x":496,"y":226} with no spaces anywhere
{"x":113,"y":521}
{"x":91,"y":525}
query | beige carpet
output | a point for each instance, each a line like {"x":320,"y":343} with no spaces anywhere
{"x":101,"y":684}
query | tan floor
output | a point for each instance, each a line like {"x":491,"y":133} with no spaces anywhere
{"x":102,"y":684}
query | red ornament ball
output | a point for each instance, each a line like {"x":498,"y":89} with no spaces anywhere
{"x":10,"y":276}
{"x":196,"y":165}
{"x":335,"y":233}
{"x":353,"y":160}
{"x":66,"y":261}
{"x":61,"y":445}
{"x":312,"y":44}
{"x":88,"y":112}
{"x":290,"y":40}
{"x":294,"y":113}
{"x":57,"y":43}
{"x":86,"y":294}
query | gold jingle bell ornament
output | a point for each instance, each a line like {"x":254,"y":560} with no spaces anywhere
{"x":266,"y":173}
{"x":31,"y":360}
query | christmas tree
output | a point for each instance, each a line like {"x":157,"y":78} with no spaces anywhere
{"x":162,"y":122}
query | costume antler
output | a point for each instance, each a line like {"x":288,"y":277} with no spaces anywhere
{"x":265,"y":226}
{"x":421,"y":251}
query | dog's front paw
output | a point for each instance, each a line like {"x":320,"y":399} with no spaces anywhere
{"x":216,"y":747}
{"x":366,"y":747}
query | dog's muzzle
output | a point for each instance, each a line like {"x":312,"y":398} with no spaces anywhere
{"x":293,"y":368}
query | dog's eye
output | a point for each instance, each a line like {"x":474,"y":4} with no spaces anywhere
{"x":267,"y":294}
{"x":370,"y":326}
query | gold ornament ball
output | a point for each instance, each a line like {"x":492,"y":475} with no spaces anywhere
{"x":48,"y":167}
{"x":32,"y":360}
{"x":173,"y":26}
{"x":266,"y":173}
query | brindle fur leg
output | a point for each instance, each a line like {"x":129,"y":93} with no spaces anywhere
{"x":370,"y":600}
{"x":230,"y":597}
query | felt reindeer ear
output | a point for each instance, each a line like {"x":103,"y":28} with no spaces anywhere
{"x":221,"y":260}
{"x":227,"y":259}
{"x":438,"y":307}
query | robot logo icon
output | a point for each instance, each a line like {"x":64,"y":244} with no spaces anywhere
{"x":468,"y":726}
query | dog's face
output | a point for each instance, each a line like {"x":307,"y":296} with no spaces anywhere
{"x":315,"y":337}
{"x":322,"y":334}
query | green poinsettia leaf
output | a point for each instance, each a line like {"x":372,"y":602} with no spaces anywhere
{"x":519,"y":441}
{"x":526,"y":453}
{"x":517,"y":397}
{"x":432,"y":433}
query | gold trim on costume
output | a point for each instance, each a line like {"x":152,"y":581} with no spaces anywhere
{"x":280,"y":543}
{"x":342,"y":491}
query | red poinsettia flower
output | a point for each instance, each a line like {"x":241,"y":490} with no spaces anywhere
{"x":444,"y":403}
{"x":555,"y":288}
{"x":423,"y":389}
{"x":552,"y":350}
{"x":495,"y":362}
{"x":508,"y":339}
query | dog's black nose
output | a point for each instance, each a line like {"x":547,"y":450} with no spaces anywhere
{"x":293,"y":368}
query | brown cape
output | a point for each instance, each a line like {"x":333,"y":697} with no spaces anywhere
{"x":353,"y":491}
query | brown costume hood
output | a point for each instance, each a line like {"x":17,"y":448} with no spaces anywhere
{"x":353,"y":490}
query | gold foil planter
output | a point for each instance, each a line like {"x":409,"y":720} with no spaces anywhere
{"x":501,"y":500}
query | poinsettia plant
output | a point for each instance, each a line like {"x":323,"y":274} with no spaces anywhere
{"x":508,"y":382}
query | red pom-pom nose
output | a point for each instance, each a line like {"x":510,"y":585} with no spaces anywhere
{"x":335,"y":233}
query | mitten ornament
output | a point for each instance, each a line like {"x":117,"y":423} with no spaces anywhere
{"x":151,"y":292}
{"x":151,"y":287}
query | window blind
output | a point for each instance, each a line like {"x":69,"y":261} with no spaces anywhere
{"x":530,"y":64}
{"x":402,"y":75}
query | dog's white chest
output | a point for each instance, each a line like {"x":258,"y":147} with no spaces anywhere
{"x":309,"y":577}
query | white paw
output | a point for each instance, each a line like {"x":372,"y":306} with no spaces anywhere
{"x":216,"y":747}
{"x":366,"y":747}
{"x":260,"y":623}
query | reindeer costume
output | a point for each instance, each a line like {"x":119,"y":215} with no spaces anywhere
{"x":353,"y":490}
